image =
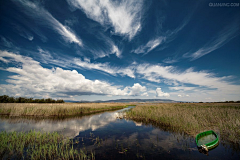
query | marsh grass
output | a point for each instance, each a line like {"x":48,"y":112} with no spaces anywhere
{"x":193,"y":118}
{"x":38,"y":145}
{"x":59,"y":110}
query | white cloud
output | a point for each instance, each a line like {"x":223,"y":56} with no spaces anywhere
{"x":160,"y":93}
{"x":43,"y":17}
{"x":123,"y":16}
{"x":179,"y":95}
{"x":201,"y":78}
{"x":136,"y":89}
{"x":31,"y":79}
{"x":145,"y":94}
{"x":18,"y":58}
{"x":149,"y":46}
{"x":4,"y":60}
{"x":222,"y":38}
{"x":116,"y":51}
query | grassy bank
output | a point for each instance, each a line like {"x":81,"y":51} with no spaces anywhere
{"x":193,"y":118}
{"x":60,"y":109}
{"x":38,"y":145}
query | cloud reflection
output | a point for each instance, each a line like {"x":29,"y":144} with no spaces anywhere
{"x":69,"y":128}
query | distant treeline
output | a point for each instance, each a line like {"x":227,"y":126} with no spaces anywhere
{"x":214,"y":102}
{"x":8,"y":99}
{"x":226,"y":102}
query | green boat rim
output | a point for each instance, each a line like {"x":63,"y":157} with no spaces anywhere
{"x":209,"y":145}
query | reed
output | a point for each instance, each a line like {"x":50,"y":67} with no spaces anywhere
{"x":38,"y":145}
{"x":193,"y":118}
{"x":53,"y":109}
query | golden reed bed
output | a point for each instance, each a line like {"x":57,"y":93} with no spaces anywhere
{"x":193,"y":118}
{"x":56,"y":109}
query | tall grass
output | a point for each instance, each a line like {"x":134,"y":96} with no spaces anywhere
{"x":38,"y":145}
{"x":193,"y":118}
{"x":60,"y":110}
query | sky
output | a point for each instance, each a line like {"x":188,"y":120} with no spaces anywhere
{"x":111,"y":49}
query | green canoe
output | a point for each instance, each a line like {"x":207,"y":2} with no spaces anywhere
{"x":207,"y":140}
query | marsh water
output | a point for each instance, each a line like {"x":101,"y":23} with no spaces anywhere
{"x":109,"y":136}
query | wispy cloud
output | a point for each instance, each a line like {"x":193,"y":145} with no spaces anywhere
{"x":6,"y":43}
{"x":32,"y":79}
{"x":152,"y":44}
{"x":105,"y":67}
{"x":51,"y":58}
{"x":43,"y":17}
{"x":170,"y":60}
{"x":124,"y":16}
{"x":222,"y":38}
{"x":161,"y":39}
{"x":105,"y":49}
{"x":157,"y":73}
{"x":23,"y":32}
{"x":183,"y":88}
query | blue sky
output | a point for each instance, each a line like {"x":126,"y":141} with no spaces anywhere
{"x":109,"y":49}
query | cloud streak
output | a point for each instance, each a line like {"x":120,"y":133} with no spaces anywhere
{"x":166,"y":37}
{"x":157,"y":73}
{"x":221,"y":39}
{"x":152,"y":44}
{"x":105,"y":67}
{"x":43,"y":17}
{"x":124,"y":16}
{"x":24,"y":33}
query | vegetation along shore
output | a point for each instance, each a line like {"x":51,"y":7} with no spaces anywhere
{"x":193,"y":118}
{"x":56,"y":109}
{"x":39,"y":145}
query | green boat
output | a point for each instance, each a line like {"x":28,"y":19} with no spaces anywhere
{"x":207,"y":140}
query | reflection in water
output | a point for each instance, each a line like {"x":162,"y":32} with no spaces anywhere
{"x":111,"y":137}
{"x":69,"y":127}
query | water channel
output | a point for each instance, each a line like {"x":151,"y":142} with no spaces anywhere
{"x":109,"y":136}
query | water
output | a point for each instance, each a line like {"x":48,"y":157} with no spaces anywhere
{"x":109,"y":136}
{"x":206,"y":139}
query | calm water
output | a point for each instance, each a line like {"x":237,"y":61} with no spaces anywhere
{"x":112,"y":138}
